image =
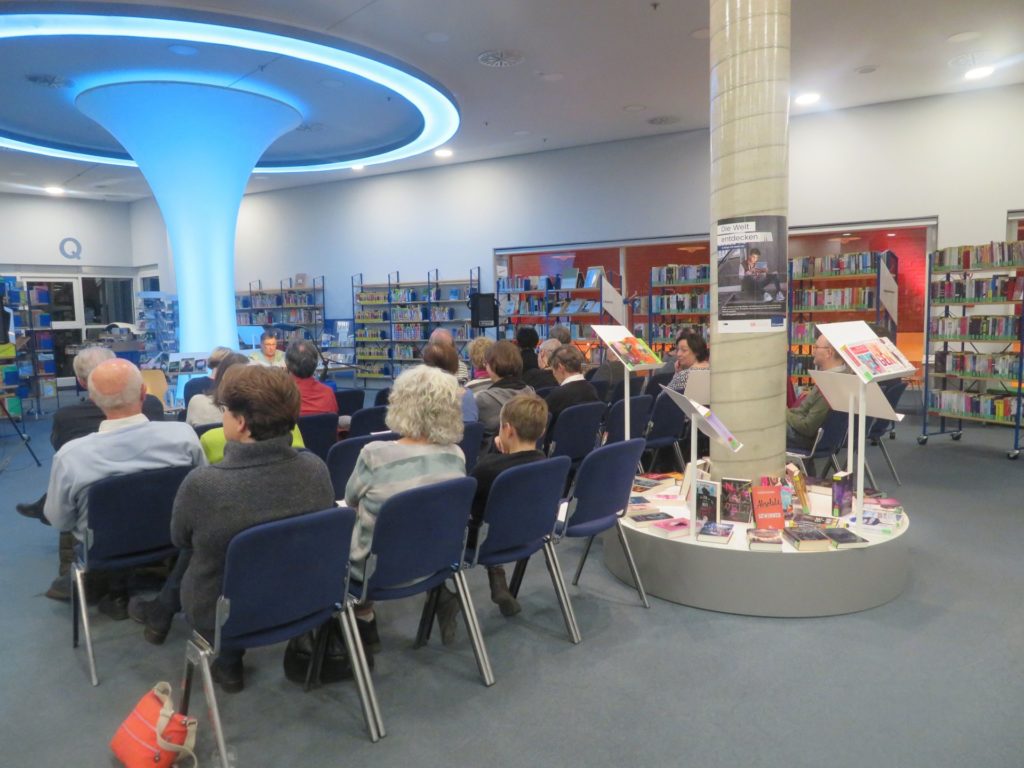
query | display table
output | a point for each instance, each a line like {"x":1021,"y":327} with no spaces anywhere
{"x":732,"y":579}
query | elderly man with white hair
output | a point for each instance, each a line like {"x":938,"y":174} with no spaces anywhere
{"x":444,"y":336}
{"x":541,"y":376}
{"x":126,"y":442}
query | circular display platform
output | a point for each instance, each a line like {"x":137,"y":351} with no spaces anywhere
{"x":788,"y":584}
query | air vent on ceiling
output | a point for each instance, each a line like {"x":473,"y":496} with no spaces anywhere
{"x":48,"y":81}
{"x":310,"y":127}
{"x":501,"y":59}
{"x":664,"y":120}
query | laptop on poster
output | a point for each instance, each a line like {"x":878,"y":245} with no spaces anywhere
{"x":698,"y":386}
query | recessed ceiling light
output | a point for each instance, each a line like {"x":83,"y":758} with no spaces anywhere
{"x":520,"y":133}
{"x":436,"y":37}
{"x":867,"y":69}
{"x":501,"y":59}
{"x":806,"y":99}
{"x":358,"y":167}
{"x":551,"y":77}
{"x":978,"y":73}
{"x":54,"y":190}
{"x":634,"y":108}
{"x":183,"y":50}
{"x":890,"y":234}
{"x":963,"y":37}
{"x":701,"y":34}
{"x":443,"y":153}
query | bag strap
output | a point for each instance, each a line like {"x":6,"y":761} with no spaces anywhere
{"x":162,"y":691}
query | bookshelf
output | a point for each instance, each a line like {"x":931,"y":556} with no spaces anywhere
{"x":973,"y":344}
{"x":679,"y":298}
{"x":292,"y":306}
{"x":837,"y":288}
{"x":157,"y":321}
{"x":33,"y":359}
{"x":393,"y":320}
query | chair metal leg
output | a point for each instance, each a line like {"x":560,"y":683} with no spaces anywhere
{"x":483,"y":662}
{"x":583,"y":559}
{"x":78,"y":586}
{"x":888,"y":460}
{"x":361,"y":674}
{"x":517,"y":577}
{"x":869,"y":475}
{"x":679,"y":456}
{"x":632,"y":564}
{"x":203,"y":657}
{"x":558,"y":581}
{"x":427,"y":618}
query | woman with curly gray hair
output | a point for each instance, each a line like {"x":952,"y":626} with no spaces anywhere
{"x":426,"y":410}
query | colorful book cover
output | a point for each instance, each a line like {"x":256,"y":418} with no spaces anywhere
{"x":646,"y":518}
{"x":764,"y":540}
{"x":807,"y":539}
{"x":594,"y":275}
{"x":627,"y":348}
{"x":673,"y":528}
{"x":716,"y":533}
{"x":736,"y":501}
{"x":767,"y":504}
{"x":707,"y":506}
{"x":842,"y":494}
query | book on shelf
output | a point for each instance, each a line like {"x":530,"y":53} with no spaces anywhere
{"x":570,"y":278}
{"x":807,"y":539}
{"x":764,"y":540}
{"x":707,"y":506}
{"x":593,"y":278}
{"x":715,"y":533}
{"x":844,"y":538}
{"x":673,"y":528}
{"x":736,"y":502}
{"x":842,"y":493}
{"x":767,"y":507}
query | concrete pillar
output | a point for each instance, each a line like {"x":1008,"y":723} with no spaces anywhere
{"x":749,"y":177}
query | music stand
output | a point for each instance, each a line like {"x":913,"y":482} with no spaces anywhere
{"x":24,"y":437}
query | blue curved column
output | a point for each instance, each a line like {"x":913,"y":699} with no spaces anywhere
{"x":196,"y":145}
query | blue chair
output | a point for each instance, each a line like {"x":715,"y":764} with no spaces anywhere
{"x":382,"y":397}
{"x":341,"y":459}
{"x":129,"y":526}
{"x":639,"y":415}
{"x":202,"y":429}
{"x":601,"y":387}
{"x":636,"y":385}
{"x":666,"y":427}
{"x":419,"y":542}
{"x":367,"y":420}
{"x":195,"y":386}
{"x":574,"y":433}
{"x":282,"y":579}
{"x":349,"y":400}
{"x":544,"y":391}
{"x":319,"y":432}
{"x":879,"y":428}
{"x":599,"y":498}
{"x":472,"y":437}
{"x":652,"y":384}
{"x":830,"y":440}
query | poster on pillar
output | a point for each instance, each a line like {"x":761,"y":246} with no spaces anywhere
{"x":752,"y":274}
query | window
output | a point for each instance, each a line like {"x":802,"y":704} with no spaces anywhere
{"x":107,"y":300}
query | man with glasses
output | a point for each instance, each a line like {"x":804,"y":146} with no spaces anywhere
{"x":804,"y":419}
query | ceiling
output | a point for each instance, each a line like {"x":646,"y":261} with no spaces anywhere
{"x":591,"y":70}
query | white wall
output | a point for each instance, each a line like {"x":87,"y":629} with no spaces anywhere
{"x":958,"y":157}
{"x":32,"y":227}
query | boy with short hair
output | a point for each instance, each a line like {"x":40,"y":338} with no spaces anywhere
{"x":522,"y":422}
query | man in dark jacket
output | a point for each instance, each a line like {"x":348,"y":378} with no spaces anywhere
{"x":573,"y":389}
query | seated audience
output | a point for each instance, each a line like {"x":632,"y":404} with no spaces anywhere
{"x":125,"y":443}
{"x":541,"y":376}
{"x":804,"y":420}
{"x":444,"y":336}
{"x":301,"y":360}
{"x":261,"y":478}
{"x":444,"y":357}
{"x":477,"y":350}
{"x":523,"y":419}
{"x":70,"y":422}
{"x":561,"y":334}
{"x":573,"y":389}
{"x":214,"y":441}
{"x":199,"y":384}
{"x":505,"y":367}
{"x":526,"y":340}
{"x":691,"y":355}
{"x":203,"y":408}
{"x":426,"y":410}
{"x":268,"y":353}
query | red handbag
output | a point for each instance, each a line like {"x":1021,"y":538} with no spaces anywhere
{"x":154,"y":735}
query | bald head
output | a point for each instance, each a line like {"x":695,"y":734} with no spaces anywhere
{"x":116,"y":387}
{"x":442,"y":336}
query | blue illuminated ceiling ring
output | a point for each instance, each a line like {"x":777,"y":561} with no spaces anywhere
{"x":439,"y":113}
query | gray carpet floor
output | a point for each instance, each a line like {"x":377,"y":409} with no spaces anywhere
{"x":933,"y":678}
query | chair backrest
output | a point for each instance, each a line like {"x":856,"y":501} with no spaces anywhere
{"x":893,"y":391}
{"x":193,"y":387}
{"x":156,"y":382}
{"x":603,"y":484}
{"x":639,"y":415}
{"x":544,"y":391}
{"x":472,"y":437}
{"x":667,"y":419}
{"x":367,"y":420}
{"x":349,"y":400}
{"x":522,"y":506}
{"x":419,"y":537}
{"x":342,"y":457}
{"x":654,"y":382}
{"x":130,"y":516}
{"x":319,"y":432}
{"x":382,"y":397}
{"x":202,"y":429}
{"x":284,"y":577}
{"x":601,"y":387}
{"x":636,"y":384}
{"x":833,"y":435}
{"x":574,"y":433}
